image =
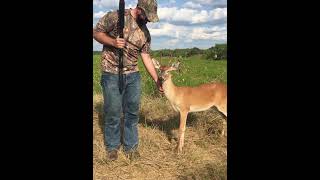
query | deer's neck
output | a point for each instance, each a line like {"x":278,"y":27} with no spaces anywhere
{"x":169,"y":89}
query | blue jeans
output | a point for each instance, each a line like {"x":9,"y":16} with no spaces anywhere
{"x":115,"y":103}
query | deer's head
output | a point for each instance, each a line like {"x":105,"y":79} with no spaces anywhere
{"x":165,"y":70}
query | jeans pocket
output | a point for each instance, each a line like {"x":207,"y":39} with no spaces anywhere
{"x":137,"y":77}
{"x":109,"y":81}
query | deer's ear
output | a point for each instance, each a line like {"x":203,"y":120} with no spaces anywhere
{"x":155,"y":63}
{"x":176,"y":65}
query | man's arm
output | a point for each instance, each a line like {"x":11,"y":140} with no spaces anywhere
{"x":106,"y":24}
{"x":103,"y":38}
{"x":151,"y":70}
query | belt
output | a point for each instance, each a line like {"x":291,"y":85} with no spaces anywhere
{"x":125,"y":69}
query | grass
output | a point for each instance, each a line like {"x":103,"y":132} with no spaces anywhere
{"x":205,"y":153}
{"x":194,"y":71}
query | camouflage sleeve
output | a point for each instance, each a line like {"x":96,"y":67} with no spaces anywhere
{"x":147,"y":46}
{"x":107,"y":22}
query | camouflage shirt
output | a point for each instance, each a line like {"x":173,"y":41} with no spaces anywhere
{"x":138,"y":41}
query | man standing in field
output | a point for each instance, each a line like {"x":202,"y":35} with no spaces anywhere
{"x":136,"y":41}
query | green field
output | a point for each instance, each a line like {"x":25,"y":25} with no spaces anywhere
{"x":194,"y":71}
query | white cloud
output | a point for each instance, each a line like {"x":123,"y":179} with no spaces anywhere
{"x":187,"y":32}
{"x":191,"y":5}
{"x":113,"y":4}
{"x":99,"y":14}
{"x":208,"y":2}
{"x":166,"y":13}
{"x":204,"y":16}
{"x":106,"y":3}
{"x":211,"y":3}
{"x":188,"y":40}
{"x":218,"y":28}
{"x":171,"y":44}
{"x":110,"y":5}
{"x":205,"y":1}
{"x":131,"y":6}
{"x":173,"y":41}
{"x":201,"y":33}
{"x":185,"y":36}
{"x":184,"y":14}
{"x":218,"y":13}
{"x":191,"y":15}
{"x":167,"y":29}
{"x":201,"y":17}
{"x":174,"y":14}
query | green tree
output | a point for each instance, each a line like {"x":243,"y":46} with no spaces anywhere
{"x":218,"y":52}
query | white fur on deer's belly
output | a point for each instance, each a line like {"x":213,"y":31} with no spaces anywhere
{"x":196,"y":108}
{"x":176,"y":108}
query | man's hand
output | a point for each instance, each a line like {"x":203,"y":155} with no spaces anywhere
{"x":104,"y":38}
{"x":151,"y":70}
{"x":119,"y":43}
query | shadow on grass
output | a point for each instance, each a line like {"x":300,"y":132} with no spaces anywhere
{"x":207,"y":171}
{"x":169,"y":125}
{"x":99,"y":109}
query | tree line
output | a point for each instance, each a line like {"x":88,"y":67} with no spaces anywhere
{"x":217,"y":52}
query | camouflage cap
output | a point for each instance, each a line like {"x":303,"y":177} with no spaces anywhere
{"x":150,"y":8}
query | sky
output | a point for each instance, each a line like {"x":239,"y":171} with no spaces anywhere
{"x":182,"y":24}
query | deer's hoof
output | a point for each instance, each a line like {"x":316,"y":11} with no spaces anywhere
{"x":179,"y":150}
{"x":174,"y":134}
{"x":223,"y":133}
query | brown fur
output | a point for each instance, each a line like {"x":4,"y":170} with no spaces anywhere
{"x":191,"y":99}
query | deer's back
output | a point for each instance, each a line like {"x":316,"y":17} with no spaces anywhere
{"x":202,"y":97}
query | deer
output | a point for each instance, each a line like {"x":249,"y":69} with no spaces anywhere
{"x":185,"y":99}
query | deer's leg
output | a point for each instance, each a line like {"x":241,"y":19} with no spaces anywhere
{"x":224,"y":126}
{"x":182,"y":128}
{"x":223,"y":109}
